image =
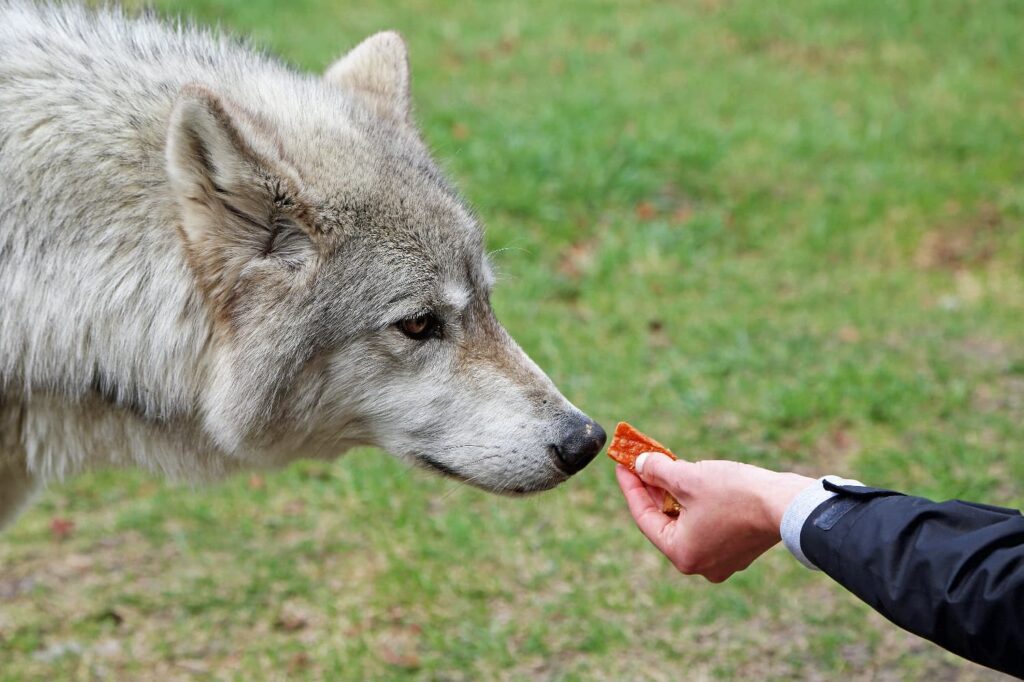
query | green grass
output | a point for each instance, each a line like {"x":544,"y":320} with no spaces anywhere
{"x":785,"y":233}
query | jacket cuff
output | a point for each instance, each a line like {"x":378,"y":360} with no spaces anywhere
{"x":801,"y":508}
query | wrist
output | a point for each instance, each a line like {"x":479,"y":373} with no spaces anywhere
{"x":776,"y":496}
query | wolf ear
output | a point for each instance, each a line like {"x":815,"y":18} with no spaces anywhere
{"x":378,"y":69}
{"x":227,"y":194}
{"x":207,"y":158}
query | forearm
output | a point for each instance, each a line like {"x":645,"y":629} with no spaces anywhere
{"x":950,"y":572}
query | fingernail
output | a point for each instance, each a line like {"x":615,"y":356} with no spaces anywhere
{"x":639,"y":465}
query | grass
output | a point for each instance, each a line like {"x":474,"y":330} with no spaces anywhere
{"x":783,"y":233}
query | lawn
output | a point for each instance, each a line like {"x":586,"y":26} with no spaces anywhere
{"x":784,"y":233}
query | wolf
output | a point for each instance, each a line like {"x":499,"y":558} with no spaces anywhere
{"x":211,"y":261}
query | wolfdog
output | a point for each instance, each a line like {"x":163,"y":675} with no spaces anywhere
{"x":210,"y":261}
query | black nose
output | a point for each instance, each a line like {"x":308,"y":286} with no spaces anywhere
{"x":581,"y":439}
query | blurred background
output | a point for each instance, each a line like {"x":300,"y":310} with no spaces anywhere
{"x":784,"y":233}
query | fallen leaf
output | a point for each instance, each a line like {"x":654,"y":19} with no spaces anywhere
{"x":61,"y":528}
{"x":682,"y":214}
{"x":645,"y":211}
{"x":578,"y":258}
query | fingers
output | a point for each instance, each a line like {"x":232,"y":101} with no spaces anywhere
{"x":647,"y":515}
{"x":660,"y":471}
{"x":657,"y":494}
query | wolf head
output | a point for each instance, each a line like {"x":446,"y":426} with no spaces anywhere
{"x":350,"y":288}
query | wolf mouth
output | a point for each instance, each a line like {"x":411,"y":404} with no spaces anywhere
{"x":443,"y":469}
{"x":446,"y":470}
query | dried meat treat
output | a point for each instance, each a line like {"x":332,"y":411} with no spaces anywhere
{"x":627,"y":445}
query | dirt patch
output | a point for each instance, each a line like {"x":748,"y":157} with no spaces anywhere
{"x":657,"y":336}
{"x":984,"y":353}
{"x":816,"y":58}
{"x":1003,"y":395}
{"x":964,"y":242}
{"x":835,"y":447}
{"x":830,"y":453}
{"x":848,"y":334}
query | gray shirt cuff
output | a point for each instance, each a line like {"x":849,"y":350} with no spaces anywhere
{"x":806,"y":501}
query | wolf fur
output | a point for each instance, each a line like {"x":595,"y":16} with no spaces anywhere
{"x":208,"y":259}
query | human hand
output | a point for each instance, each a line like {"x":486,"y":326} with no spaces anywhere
{"x":731,"y":511}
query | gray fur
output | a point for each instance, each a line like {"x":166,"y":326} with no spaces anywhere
{"x":204,"y":254}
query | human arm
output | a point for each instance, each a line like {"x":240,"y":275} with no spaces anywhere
{"x":951,"y":572}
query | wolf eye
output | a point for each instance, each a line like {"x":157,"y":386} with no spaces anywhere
{"x":421,"y":327}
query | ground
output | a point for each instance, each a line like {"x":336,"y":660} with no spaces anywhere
{"x":785,"y":233}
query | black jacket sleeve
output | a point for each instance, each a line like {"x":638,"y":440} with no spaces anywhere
{"x":952,"y":572}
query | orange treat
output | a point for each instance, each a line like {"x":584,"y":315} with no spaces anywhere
{"x":627,"y":445}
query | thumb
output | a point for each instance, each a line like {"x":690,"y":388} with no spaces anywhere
{"x":657,"y":469}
